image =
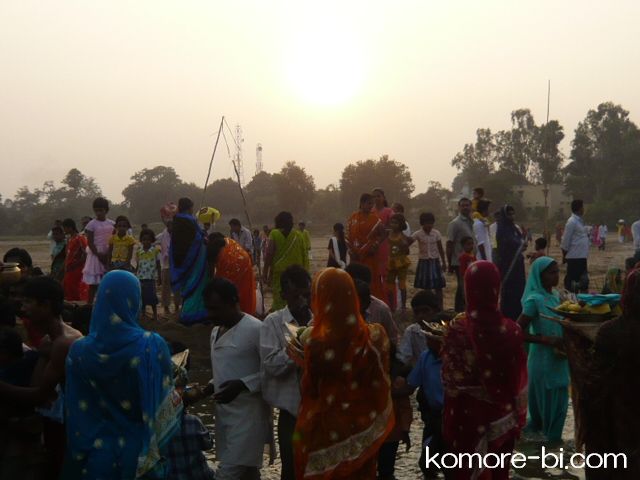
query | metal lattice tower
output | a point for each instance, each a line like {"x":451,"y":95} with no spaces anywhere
{"x":238,"y":156}
{"x":258,"y":158}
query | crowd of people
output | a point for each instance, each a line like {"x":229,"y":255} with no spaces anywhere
{"x":104,"y":399}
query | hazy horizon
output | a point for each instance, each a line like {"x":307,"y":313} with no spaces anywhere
{"x":112,"y":88}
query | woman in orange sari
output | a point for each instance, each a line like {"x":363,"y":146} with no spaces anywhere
{"x":484,"y":373}
{"x":365,"y":233}
{"x":346,"y":411}
{"x":229,"y":260}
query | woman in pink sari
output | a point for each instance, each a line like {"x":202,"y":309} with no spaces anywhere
{"x":484,"y":374}
{"x":384,"y":213}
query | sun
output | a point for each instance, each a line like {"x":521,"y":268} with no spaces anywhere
{"x":325,"y":65}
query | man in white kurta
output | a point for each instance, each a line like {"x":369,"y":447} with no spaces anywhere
{"x":242,"y":416}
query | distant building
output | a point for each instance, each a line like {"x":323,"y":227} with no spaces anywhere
{"x":532,"y":197}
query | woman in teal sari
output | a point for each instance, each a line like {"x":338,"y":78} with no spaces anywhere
{"x":548,"y":367}
{"x":286,"y":247}
{"x":121,"y":407}
{"x":188,"y":263}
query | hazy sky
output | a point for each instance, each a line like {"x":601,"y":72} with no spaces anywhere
{"x":112,"y":87}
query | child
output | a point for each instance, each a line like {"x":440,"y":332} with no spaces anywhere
{"x":427,"y":375}
{"x":185,"y":450}
{"x":429,"y":274}
{"x":398,"y":259}
{"x":257,"y":246}
{"x":478,"y":194}
{"x":74,"y":288}
{"x":399,"y":208}
{"x":165,"y":275}
{"x":98,"y":231}
{"x":121,"y":245}
{"x":337,"y":248}
{"x":425,"y":305}
{"x":467,"y":256}
{"x":306,"y":237}
{"x":401,"y":398}
{"x":58,"y":253}
{"x":541,"y":247}
{"x":148,"y":270}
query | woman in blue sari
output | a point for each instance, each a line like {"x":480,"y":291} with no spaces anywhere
{"x":510,"y":262}
{"x":121,"y":407}
{"x":548,"y":366}
{"x":188,"y":263}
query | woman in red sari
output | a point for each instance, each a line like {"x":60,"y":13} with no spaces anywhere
{"x":74,"y":288}
{"x":365,"y":233}
{"x":484,"y":373}
{"x":346,"y":411}
{"x":231,"y":261}
{"x":384,"y":213}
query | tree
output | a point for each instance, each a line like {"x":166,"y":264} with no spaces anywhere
{"x":547,"y":164}
{"x":434,"y":200}
{"x":224,"y":195}
{"x":295,"y":189}
{"x":390,"y":175}
{"x":149,"y":190}
{"x":326,"y":208}
{"x":605,"y":158}
{"x":477,"y":160}
{"x":262,"y":197}
{"x":517,"y":148}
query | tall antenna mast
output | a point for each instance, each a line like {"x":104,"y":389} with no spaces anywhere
{"x":258,"y":158}
{"x":239,"y":164}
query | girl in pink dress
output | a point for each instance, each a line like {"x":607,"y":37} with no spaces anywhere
{"x":98,"y":232}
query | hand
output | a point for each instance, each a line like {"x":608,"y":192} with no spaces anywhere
{"x":229,"y":391}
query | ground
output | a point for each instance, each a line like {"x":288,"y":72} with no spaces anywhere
{"x":197,"y":339}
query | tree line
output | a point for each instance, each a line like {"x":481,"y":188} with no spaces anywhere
{"x":603,"y":169}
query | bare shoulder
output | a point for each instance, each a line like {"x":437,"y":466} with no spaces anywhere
{"x":64,"y":341}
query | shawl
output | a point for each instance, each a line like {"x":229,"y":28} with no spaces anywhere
{"x":346,"y":411}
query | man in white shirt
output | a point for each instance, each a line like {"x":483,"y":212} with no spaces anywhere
{"x":241,"y":415}
{"x":635,"y":233}
{"x":242,"y":235}
{"x":575,"y":250}
{"x":280,"y":375}
{"x":481,"y":231}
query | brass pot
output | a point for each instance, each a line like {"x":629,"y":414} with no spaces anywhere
{"x":9,"y":274}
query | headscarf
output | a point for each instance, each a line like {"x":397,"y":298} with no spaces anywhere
{"x":613,"y":282}
{"x":484,"y":369}
{"x":534,"y":288}
{"x":497,"y":341}
{"x":346,"y":411}
{"x":121,"y":405}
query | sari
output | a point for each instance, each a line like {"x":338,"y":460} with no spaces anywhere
{"x":289,"y":250}
{"x":189,"y":269}
{"x":346,"y":411}
{"x":484,"y":375}
{"x":121,"y":407}
{"x":510,"y":261}
{"x":234,"y":264}
{"x":364,"y":234}
{"x":548,"y":371}
{"x":610,"y":418}
{"x":74,"y":288}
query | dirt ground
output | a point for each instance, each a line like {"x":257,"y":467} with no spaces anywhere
{"x":196,"y":338}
